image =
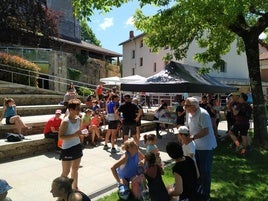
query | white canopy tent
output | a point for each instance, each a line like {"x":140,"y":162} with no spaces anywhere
{"x":118,"y":80}
{"x":111,"y":80}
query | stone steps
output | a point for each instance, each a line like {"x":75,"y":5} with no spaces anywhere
{"x":34,"y":116}
{"x":37,"y":144}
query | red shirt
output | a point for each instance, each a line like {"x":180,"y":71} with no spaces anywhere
{"x":52,"y":122}
{"x":99,"y":89}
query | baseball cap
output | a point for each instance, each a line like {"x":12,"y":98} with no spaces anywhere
{"x":58,"y":112}
{"x":184,"y":130}
{"x":4,"y":186}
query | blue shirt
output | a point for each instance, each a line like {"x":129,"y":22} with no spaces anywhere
{"x":10,"y":112}
{"x":130,"y":169}
{"x":110,"y":107}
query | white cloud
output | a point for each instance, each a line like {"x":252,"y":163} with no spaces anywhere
{"x":130,"y":21}
{"x":108,"y":22}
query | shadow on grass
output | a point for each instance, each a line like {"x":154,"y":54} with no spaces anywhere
{"x":236,"y":177}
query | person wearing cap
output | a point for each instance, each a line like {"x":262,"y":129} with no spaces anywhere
{"x":131,"y":115}
{"x":4,"y":188}
{"x":51,"y":128}
{"x":188,"y":145}
{"x":200,"y":127}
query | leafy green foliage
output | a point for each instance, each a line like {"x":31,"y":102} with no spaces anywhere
{"x":84,"y":91}
{"x":82,"y":58}
{"x":73,"y":73}
{"x":25,"y":17}
{"x":88,"y":35}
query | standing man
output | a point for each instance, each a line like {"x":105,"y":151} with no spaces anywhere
{"x":138,"y":128}
{"x":131,"y":115}
{"x":99,"y":91}
{"x":112,"y":122}
{"x":51,"y":128}
{"x":200,"y":126}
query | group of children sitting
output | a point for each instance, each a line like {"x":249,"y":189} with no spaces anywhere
{"x":91,"y":121}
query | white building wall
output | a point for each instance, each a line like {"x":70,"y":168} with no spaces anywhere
{"x":131,"y":66}
{"x":236,"y":65}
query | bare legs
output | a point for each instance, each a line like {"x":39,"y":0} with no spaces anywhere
{"x":72,"y":166}
{"x":18,"y":123}
{"x":113,"y":137}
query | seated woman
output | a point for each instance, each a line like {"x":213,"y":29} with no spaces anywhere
{"x":184,"y":172}
{"x":62,"y":188}
{"x":85,"y":124}
{"x":127,"y":166}
{"x":95,"y":127}
{"x":10,"y":113}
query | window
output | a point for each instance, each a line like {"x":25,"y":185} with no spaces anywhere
{"x":133,"y":54}
{"x":141,"y":43}
{"x":141,"y":61}
{"x":154,"y":67}
{"x":223,"y":67}
{"x":133,"y":71}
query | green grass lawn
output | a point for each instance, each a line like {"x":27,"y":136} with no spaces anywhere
{"x":234,"y":178}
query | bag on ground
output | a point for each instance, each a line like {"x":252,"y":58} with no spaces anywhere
{"x":13,"y":137}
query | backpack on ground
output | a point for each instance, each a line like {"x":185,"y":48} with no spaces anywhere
{"x":13,"y":137}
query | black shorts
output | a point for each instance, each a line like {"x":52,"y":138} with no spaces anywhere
{"x":242,"y":128}
{"x":127,"y":127}
{"x":72,"y":153}
{"x":8,"y":120}
{"x":113,"y":124}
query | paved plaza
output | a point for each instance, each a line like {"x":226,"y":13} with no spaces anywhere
{"x":31,"y":177}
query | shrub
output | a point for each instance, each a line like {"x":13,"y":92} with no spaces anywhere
{"x":84,"y":91}
{"x":21,"y":65}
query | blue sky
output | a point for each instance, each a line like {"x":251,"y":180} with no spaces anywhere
{"x":114,"y":27}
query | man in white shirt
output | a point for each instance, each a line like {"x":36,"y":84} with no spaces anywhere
{"x":201,"y":129}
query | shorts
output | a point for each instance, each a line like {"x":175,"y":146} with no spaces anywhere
{"x":71,"y":153}
{"x":127,"y":127}
{"x":242,"y":128}
{"x":8,"y":120}
{"x":113,"y":124}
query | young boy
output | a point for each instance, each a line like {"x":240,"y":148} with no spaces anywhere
{"x":188,"y":145}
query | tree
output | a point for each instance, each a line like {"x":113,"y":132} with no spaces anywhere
{"x":27,"y":22}
{"x":215,"y":25}
{"x":88,"y":35}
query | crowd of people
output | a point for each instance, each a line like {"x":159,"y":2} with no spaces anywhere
{"x":197,"y":123}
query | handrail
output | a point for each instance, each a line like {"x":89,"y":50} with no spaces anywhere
{"x":51,"y":78}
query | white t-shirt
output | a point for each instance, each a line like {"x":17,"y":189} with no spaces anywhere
{"x":198,"y":121}
{"x":189,"y":149}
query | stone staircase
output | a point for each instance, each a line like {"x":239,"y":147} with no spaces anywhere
{"x":36,"y":106}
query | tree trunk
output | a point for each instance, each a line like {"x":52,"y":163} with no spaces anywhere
{"x":259,"y":111}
